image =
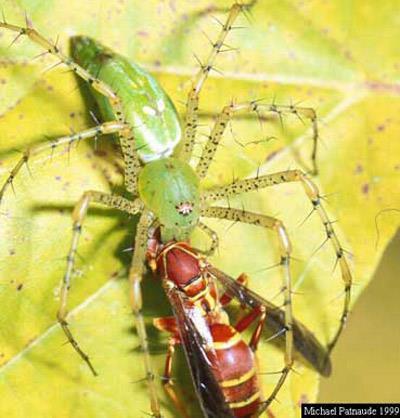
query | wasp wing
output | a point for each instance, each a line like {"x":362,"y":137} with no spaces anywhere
{"x":197,"y":343}
{"x":305,"y":341}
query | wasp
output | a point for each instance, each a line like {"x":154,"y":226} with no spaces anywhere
{"x":222,"y":364}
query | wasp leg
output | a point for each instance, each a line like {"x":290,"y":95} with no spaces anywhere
{"x":226,"y":298}
{"x":259,"y":312}
{"x":168,"y":324}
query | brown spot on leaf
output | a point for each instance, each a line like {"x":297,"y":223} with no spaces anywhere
{"x":365,"y":188}
{"x":359,"y":169}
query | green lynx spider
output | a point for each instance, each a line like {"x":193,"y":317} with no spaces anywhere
{"x":166,"y":188}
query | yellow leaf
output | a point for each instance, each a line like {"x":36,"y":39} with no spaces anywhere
{"x":323,"y":54}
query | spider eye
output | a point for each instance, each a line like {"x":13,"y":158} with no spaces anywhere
{"x":184,"y":208}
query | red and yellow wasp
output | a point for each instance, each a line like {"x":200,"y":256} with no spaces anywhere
{"x":222,"y":364}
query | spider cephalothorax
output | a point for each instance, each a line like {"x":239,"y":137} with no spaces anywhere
{"x":170,"y":189}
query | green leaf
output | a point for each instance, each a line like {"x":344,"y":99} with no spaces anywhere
{"x":323,"y":54}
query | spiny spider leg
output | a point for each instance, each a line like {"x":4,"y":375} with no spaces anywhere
{"x":78,"y":217}
{"x":103,"y":129}
{"x":132,"y":163}
{"x":135,"y":276}
{"x":136,"y":299}
{"x":213,"y":237}
{"x":192,"y":106}
{"x":313,"y":194}
{"x":268,"y":222}
{"x":132,"y":168}
{"x":227,"y":114}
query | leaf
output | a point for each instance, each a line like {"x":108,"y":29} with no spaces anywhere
{"x":318,"y":52}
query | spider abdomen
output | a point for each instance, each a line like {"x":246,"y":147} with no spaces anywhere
{"x":146,"y":106}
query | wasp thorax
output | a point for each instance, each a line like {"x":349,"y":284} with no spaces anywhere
{"x":179,"y":263}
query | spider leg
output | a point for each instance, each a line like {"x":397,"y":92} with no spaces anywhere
{"x":103,"y":129}
{"x":78,"y":217}
{"x":136,"y":299}
{"x":213,"y":237}
{"x":192,"y":105}
{"x":229,"y":111}
{"x":313,"y":194}
{"x":276,"y":225}
{"x":126,"y":136}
